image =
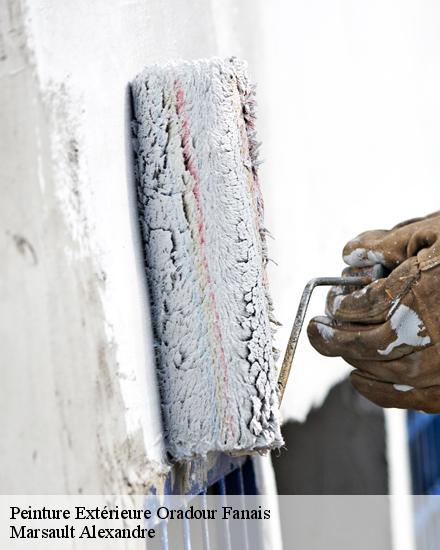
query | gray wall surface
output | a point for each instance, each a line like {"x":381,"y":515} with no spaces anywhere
{"x":339,"y":450}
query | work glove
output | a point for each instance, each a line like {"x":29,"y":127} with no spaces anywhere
{"x":390,"y":329}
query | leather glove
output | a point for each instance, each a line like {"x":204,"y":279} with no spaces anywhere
{"x":389,"y":330}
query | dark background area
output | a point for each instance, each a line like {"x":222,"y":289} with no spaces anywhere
{"x":340,"y":449}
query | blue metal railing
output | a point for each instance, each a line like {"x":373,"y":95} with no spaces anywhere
{"x":424,"y":447}
{"x":228,"y":476}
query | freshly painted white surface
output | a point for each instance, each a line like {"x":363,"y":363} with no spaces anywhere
{"x":82,"y":311}
{"x":96,"y":55}
{"x":349,"y":111}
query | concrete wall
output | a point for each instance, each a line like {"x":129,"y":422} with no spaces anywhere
{"x":78,"y":385}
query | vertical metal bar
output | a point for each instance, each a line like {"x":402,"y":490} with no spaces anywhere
{"x":420,"y":464}
{"x":241,"y":480}
{"x":435,"y":520}
{"x":436,"y":444}
{"x":422,"y":459}
{"x":163,"y":526}
{"x":221,"y":486}
{"x":205,"y":526}
{"x":186,"y":534}
{"x":432,"y":472}
{"x":243,"y":505}
{"x":425,"y":464}
{"x":226,"y":533}
{"x":437,"y":523}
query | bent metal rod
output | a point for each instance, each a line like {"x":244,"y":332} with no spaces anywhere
{"x":299,"y":320}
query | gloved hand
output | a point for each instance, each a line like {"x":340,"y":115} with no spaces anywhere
{"x":390,"y":330}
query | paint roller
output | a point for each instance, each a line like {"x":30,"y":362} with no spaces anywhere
{"x":201,"y":217}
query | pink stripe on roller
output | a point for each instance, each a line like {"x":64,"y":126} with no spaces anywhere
{"x":196,"y":190}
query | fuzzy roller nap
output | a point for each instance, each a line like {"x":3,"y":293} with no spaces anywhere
{"x":201,"y":219}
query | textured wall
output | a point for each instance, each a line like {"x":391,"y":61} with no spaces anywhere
{"x":78,"y":384}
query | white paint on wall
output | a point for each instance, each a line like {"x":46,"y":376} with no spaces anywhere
{"x":349,"y":111}
{"x":95,"y":56}
{"x":90,"y":314}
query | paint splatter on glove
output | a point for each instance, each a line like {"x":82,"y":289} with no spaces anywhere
{"x":390,"y":330}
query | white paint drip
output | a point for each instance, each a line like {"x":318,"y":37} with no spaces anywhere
{"x":361,"y":257}
{"x":337,"y":302}
{"x":325,"y":331}
{"x":402,"y":387}
{"x":360,"y":293}
{"x":337,"y":290}
{"x":407,"y":325}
